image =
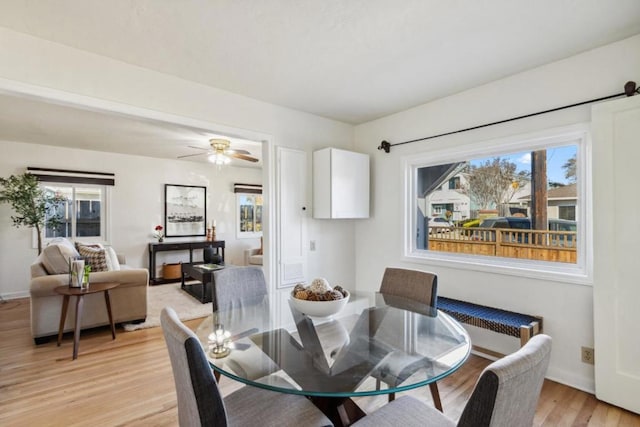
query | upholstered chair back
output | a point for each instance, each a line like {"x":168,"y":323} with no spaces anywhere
{"x":238,"y":286}
{"x":507,"y":391}
{"x":412,"y":284}
{"x":199,"y":399}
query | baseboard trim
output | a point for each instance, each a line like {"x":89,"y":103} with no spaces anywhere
{"x":14,"y":295}
{"x":486,"y":353}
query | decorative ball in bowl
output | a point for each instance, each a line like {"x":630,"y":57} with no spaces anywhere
{"x":319,"y":299}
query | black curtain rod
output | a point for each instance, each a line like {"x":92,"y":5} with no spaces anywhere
{"x":629,"y":90}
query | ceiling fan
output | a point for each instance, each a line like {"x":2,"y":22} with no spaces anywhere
{"x":221,"y":152}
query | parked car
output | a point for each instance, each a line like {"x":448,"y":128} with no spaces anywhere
{"x":471,"y":223}
{"x":500,"y":222}
{"x":523,"y":223}
{"x":439,"y":225}
{"x":565,"y":240}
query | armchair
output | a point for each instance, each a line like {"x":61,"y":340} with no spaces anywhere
{"x":253,"y":256}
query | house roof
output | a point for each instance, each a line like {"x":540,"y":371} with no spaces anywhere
{"x":565,"y":192}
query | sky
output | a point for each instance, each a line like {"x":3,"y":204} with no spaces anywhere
{"x":556,"y":157}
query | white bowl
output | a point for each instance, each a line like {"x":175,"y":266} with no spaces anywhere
{"x":319,"y":308}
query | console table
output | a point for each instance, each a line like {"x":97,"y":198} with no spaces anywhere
{"x":154,"y":248}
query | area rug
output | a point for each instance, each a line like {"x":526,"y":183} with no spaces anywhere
{"x":160,"y":296}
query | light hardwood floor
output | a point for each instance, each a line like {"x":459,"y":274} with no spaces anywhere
{"x":128,"y":382}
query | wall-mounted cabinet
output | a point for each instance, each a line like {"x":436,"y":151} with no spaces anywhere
{"x":340,"y":184}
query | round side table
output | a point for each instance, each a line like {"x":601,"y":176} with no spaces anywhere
{"x":79,"y":293}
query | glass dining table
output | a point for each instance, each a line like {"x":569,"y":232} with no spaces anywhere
{"x":378,"y":344}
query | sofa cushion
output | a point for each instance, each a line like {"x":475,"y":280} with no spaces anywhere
{"x":56,"y":256}
{"x":96,"y":258}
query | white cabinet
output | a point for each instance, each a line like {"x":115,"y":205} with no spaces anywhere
{"x":340,"y":184}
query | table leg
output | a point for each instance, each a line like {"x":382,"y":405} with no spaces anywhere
{"x":436,"y":396}
{"x":63,"y":317}
{"x":206,"y":284}
{"x":108,"y":301}
{"x":152,"y":265}
{"x":76,"y":333}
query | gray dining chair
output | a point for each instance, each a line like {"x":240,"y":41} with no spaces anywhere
{"x":236,"y":287}
{"x":200,"y":402}
{"x":506,"y":394}
{"x":416,"y":286}
{"x":243,"y":288}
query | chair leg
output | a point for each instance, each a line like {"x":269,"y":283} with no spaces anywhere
{"x":436,"y":396}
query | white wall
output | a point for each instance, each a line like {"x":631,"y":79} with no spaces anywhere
{"x":35,"y":63}
{"x":567,"y":308}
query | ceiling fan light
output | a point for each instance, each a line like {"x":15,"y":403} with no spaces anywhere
{"x":219,"y":159}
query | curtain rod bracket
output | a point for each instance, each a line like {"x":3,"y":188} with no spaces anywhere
{"x":630,"y":88}
{"x":385,"y":145}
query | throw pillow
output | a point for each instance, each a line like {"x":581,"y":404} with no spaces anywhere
{"x":94,"y":257}
{"x":56,"y":256}
{"x":112,"y":261}
{"x":113,"y":257}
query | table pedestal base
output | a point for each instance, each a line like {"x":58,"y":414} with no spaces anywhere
{"x":342,"y":411}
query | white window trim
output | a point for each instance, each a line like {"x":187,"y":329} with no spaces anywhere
{"x":579,"y":273}
{"x":105,"y":227}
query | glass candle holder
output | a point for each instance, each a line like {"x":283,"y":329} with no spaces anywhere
{"x":219,"y":341}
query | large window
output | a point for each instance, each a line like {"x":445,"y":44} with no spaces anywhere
{"x":518,"y":203}
{"x":83,"y":213}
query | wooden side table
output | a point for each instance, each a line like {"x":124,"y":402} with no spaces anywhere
{"x":68,"y":292}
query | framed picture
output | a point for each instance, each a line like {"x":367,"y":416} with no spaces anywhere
{"x":185,"y":212}
{"x":249,"y":215}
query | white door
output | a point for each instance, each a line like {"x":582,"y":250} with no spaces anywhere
{"x":616,"y":290}
{"x":292,"y":212}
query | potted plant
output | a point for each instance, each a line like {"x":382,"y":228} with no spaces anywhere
{"x":33,"y":205}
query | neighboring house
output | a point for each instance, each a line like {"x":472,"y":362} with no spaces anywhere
{"x":450,"y":197}
{"x":561,"y":202}
{"x":520,"y":201}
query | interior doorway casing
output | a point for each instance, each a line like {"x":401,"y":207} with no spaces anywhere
{"x":57,"y":97}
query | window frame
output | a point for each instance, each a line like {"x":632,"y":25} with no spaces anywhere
{"x":105,"y":214}
{"x":579,"y":273}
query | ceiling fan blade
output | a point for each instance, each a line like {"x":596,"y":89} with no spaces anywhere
{"x":199,"y":148}
{"x":236,"y":151}
{"x":243,"y":157}
{"x":190,"y":155}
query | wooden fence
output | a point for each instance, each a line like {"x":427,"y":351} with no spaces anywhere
{"x":554,"y":246}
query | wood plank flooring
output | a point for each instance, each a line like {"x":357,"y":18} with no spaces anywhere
{"x":128,"y":382}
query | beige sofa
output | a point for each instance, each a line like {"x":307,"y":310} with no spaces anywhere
{"x":128,"y":300}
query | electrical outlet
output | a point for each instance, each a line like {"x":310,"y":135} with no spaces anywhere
{"x":588,"y":355}
{"x":312,"y":245}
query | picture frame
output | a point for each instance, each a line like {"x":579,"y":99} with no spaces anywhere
{"x":185,"y":210}
{"x":249,"y":215}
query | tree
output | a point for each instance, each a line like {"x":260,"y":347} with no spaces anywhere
{"x":570,"y":169}
{"x":33,"y":205}
{"x":494,"y":182}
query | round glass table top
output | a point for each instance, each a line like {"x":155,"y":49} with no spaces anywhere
{"x":377,"y":344}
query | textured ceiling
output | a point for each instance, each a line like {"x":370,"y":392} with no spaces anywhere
{"x":350,"y":60}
